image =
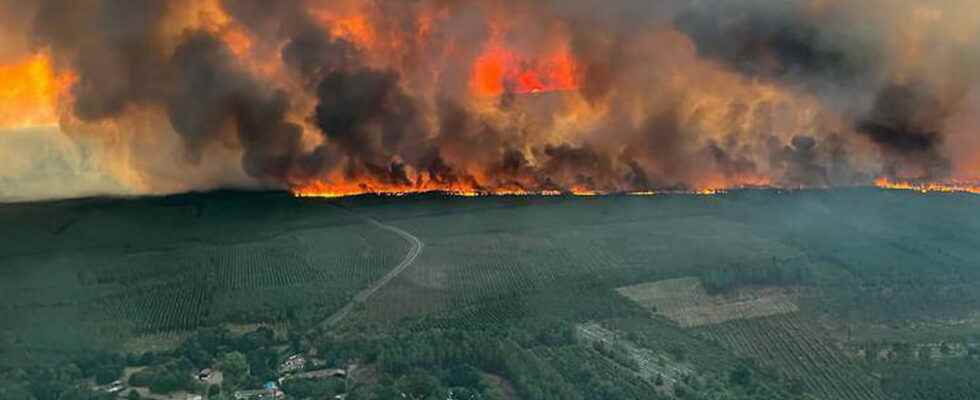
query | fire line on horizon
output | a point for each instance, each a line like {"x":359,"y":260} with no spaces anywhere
{"x":484,"y":97}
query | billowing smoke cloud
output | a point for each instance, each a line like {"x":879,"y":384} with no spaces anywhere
{"x":575,"y":95}
{"x":781,"y":40}
{"x":209,"y":92}
{"x":906,"y":121}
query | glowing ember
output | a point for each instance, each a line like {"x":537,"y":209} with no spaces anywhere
{"x":928,"y":187}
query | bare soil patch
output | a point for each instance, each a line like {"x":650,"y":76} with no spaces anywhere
{"x":686,"y":302}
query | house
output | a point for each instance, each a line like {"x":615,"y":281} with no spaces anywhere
{"x":114,"y":387}
{"x":203,"y":375}
{"x":295,"y":362}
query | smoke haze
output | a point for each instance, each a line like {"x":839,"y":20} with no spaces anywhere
{"x":353,"y":96}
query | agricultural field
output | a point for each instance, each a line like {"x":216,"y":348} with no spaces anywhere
{"x":799,"y":353}
{"x":791,"y":282}
{"x":755,"y":294}
{"x":208,"y":265}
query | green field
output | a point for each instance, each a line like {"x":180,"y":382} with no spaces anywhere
{"x":842,"y":294}
{"x":123,"y":269}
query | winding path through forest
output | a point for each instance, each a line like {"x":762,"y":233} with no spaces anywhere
{"x":366,"y":293}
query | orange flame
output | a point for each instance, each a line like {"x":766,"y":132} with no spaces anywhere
{"x":499,"y":69}
{"x":929,"y":187}
{"x":325,"y":190}
{"x":29,"y":92}
{"x":341,"y":187}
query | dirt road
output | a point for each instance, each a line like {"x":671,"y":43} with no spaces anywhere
{"x":365,"y":294}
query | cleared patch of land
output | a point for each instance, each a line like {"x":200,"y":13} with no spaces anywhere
{"x":685,"y":301}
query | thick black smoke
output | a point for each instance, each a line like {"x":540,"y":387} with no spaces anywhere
{"x":312,"y":53}
{"x":112,"y":45}
{"x":775,"y":40}
{"x":308,"y":50}
{"x":122,"y":61}
{"x":801,"y":161}
{"x":210,"y":92}
{"x":401,"y":110}
{"x":907,"y":122}
{"x":366,"y":113}
{"x":839,"y":61}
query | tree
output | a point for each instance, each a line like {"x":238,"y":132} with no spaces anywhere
{"x":234,"y":365}
{"x":419,"y":384}
{"x":741,"y":376}
{"x":107,"y":374}
{"x":133,"y":395}
{"x":387,"y":392}
{"x":464,"y":376}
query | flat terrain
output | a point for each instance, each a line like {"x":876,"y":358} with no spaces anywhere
{"x":148,"y":271}
{"x":817,"y":292}
{"x":685,"y":301}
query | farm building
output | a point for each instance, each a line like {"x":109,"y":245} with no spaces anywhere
{"x":113,"y":387}
{"x":295,"y":362}
{"x":203,"y":375}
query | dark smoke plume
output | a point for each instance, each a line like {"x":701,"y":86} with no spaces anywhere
{"x":550,"y":95}
{"x":772,"y":39}
{"x":366,"y":113}
{"x":906,"y":121}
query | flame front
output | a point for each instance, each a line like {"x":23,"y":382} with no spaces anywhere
{"x":929,"y":187}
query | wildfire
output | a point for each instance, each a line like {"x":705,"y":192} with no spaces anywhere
{"x":323,"y":189}
{"x":500,"y":70}
{"x":353,"y":27}
{"x":927,"y":187}
{"x":29,"y":92}
{"x":328,"y":190}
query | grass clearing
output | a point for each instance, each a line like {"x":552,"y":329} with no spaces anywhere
{"x":685,"y":301}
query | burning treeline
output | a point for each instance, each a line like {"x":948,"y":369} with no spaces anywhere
{"x":500,"y":96}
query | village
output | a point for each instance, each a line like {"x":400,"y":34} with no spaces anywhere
{"x":294,"y":368}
